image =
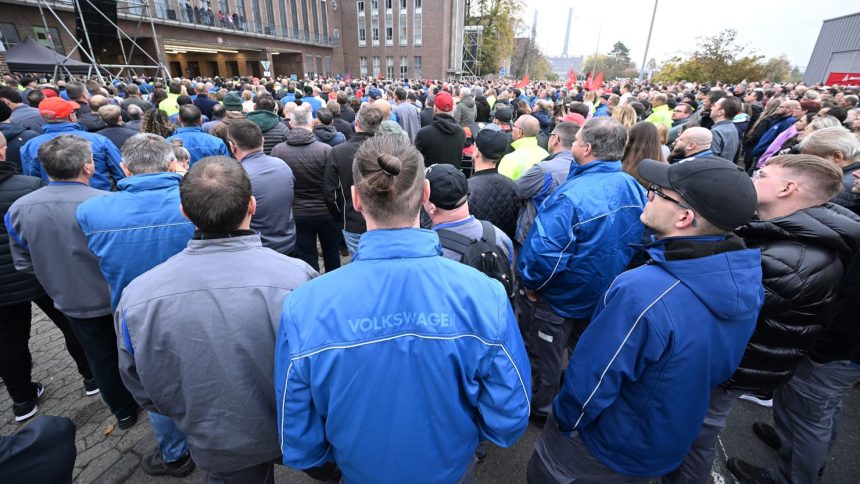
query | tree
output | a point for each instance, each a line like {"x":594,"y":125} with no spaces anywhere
{"x":620,"y":53}
{"x":717,"y":58}
{"x":615,"y":64}
{"x":499,"y":19}
{"x":778,"y":69}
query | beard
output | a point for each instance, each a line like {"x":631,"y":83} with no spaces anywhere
{"x":677,"y":154}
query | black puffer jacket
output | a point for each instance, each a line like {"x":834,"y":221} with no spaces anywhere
{"x":15,"y":287}
{"x":846,"y":197}
{"x":483,"y":108}
{"x":493,"y":197}
{"x":16,"y":136}
{"x":307,"y":158}
{"x":441,"y":142}
{"x":804,"y":257}
{"x":338,"y":180}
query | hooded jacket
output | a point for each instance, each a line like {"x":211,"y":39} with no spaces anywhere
{"x":220,"y":129}
{"x":274,"y":131}
{"x":537,"y":184}
{"x":441,"y":142}
{"x":482,"y":110}
{"x":16,"y":136}
{"x":199,"y":144}
{"x":465,"y":111}
{"x":581,"y":238}
{"x":345,"y":355}
{"x":328,"y":134}
{"x":15,"y":286}
{"x":307,"y":157}
{"x":338,"y":182}
{"x":638,"y":384}
{"x":804,"y":256}
{"x":106,"y":155}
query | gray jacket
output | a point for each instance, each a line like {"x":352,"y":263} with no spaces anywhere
{"x":726,"y":140}
{"x":465,"y":111}
{"x":47,"y":241}
{"x":272,"y":183}
{"x":409,"y":119}
{"x":196,"y":338}
{"x":536,"y":185}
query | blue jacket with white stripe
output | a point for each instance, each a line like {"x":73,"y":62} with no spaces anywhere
{"x":664,"y":334}
{"x":397,"y":365}
{"x":581,"y":237}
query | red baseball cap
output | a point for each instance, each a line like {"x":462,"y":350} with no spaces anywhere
{"x":574,"y":118}
{"x":49,"y":92}
{"x":444,"y":102}
{"x":57,"y":107}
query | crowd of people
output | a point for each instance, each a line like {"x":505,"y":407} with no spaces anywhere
{"x":617,"y":266}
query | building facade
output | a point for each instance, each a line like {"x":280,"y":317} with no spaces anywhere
{"x":394,"y":38}
{"x":836,"y":56}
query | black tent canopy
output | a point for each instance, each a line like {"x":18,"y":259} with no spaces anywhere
{"x":30,"y":56}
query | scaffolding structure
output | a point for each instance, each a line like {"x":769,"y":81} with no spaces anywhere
{"x":472,"y":39}
{"x":134,"y":10}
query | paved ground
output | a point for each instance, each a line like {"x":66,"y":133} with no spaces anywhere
{"x":107,"y":455}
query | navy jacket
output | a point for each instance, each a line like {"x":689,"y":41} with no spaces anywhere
{"x":638,"y":384}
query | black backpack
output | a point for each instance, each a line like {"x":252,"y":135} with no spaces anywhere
{"x":482,"y":254}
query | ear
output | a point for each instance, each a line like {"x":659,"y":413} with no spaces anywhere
{"x":252,"y":206}
{"x":356,"y":199}
{"x":789,"y":189}
{"x":125,"y":169}
{"x":686,"y":219}
{"x":182,"y":211}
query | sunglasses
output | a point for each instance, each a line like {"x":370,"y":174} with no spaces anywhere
{"x":655,"y":189}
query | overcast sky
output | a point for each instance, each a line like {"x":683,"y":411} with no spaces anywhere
{"x":772,"y":28}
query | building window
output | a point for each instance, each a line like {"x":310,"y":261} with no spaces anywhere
{"x":316,"y":19}
{"x":319,"y":65}
{"x":389,"y":67}
{"x":417,"y":32}
{"x":327,"y":65}
{"x":309,"y":64}
{"x":404,"y":68}
{"x":402,"y":27}
{"x":374,"y":6}
{"x":324,"y":21}
{"x":9,"y":34}
{"x":305,"y":20}
{"x":294,"y":12}
{"x":282,"y":14}
{"x":258,"y":17}
{"x":374,"y":30}
{"x":376,"y":68}
{"x":418,"y":71}
{"x":388,"y":5}
{"x":362,"y":33}
{"x":389,"y":29}
{"x":360,"y":6}
{"x":160,"y":9}
{"x":417,"y":4}
{"x":402,"y":4}
{"x":270,"y":17}
{"x":362,"y":66}
{"x":49,"y":38}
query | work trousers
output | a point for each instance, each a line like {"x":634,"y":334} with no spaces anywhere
{"x":16,"y":363}
{"x":324,"y":227}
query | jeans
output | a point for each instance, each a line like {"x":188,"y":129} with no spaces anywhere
{"x":307,"y":231}
{"x":170,"y":439}
{"x":351,"y":240}
{"x":16,"y":363}
{"x":806,"y":414}
{"x":98,"y":338}
{"x":562,"y":458}
{"x":547,"y":337}
{"x":697,"y":464}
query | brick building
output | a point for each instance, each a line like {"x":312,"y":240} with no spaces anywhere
{"x":399,"y":38}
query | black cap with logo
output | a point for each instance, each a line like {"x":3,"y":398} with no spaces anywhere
{"x":449,"y":188}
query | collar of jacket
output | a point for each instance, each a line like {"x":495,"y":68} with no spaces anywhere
{"x":662,"y":107}
{"x":188,"y":129}
{"x":149,"y":181}
{"x":524,"y":142}
{"x":61,"y":127}
{"x":359,"y":136}
{"x":253,"y":156}
{"x":707,"y":152}
{"x":240,"y":241}
{"x":596,"y":166}
{"x":694,"y":247}
{"x":488,"y":171}
{"x":7,"y":170}
{"x":564,"y":154}
{"x":404,"y":243}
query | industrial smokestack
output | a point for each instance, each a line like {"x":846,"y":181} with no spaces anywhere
{"x":567,"y":32}
{"x":534,"y":26}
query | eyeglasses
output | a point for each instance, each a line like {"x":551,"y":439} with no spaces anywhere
{"x":655,"y":189}
{"x":761,"y":175}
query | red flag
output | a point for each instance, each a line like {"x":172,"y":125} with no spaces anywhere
{"x":598,"y":81}
{"x":590,"y":80}
{"x":571,"y":78}
{"x":379,"y":75}
{"x":524,"y":82}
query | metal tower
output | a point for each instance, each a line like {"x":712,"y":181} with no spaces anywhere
{"x":567,"y":32}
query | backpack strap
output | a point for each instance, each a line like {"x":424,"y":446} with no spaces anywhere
{"x":451,"y":240}
{"x":489,"y":233}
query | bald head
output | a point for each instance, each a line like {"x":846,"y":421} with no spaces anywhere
{"x":692,"y":141}
{"x":383,"y":106}
{"x":97,"y":101}
{"x":528,"y":125}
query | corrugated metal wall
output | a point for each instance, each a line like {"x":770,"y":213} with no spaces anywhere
{"x":837,"y":49}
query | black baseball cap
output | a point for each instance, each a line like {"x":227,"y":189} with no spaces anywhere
{"x":714,"y":187}
{"x":492,"y":144}
{"x":449,"y":188}
{"x":504,"y":115}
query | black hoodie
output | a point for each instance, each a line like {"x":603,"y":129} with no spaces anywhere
{"x":15,"y":286}
{"x":16,"y":136}
{"x":441,"y":142}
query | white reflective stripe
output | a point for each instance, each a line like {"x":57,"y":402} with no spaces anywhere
{"x":422,"y":336}
{"x":561,"y":254}
{"x":545,"y":337}
{"x":623,"y":342}
{"x":138,"y":228}
{"x":283,"y":405}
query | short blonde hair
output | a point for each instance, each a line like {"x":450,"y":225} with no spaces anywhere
{"x":825,"y":178}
